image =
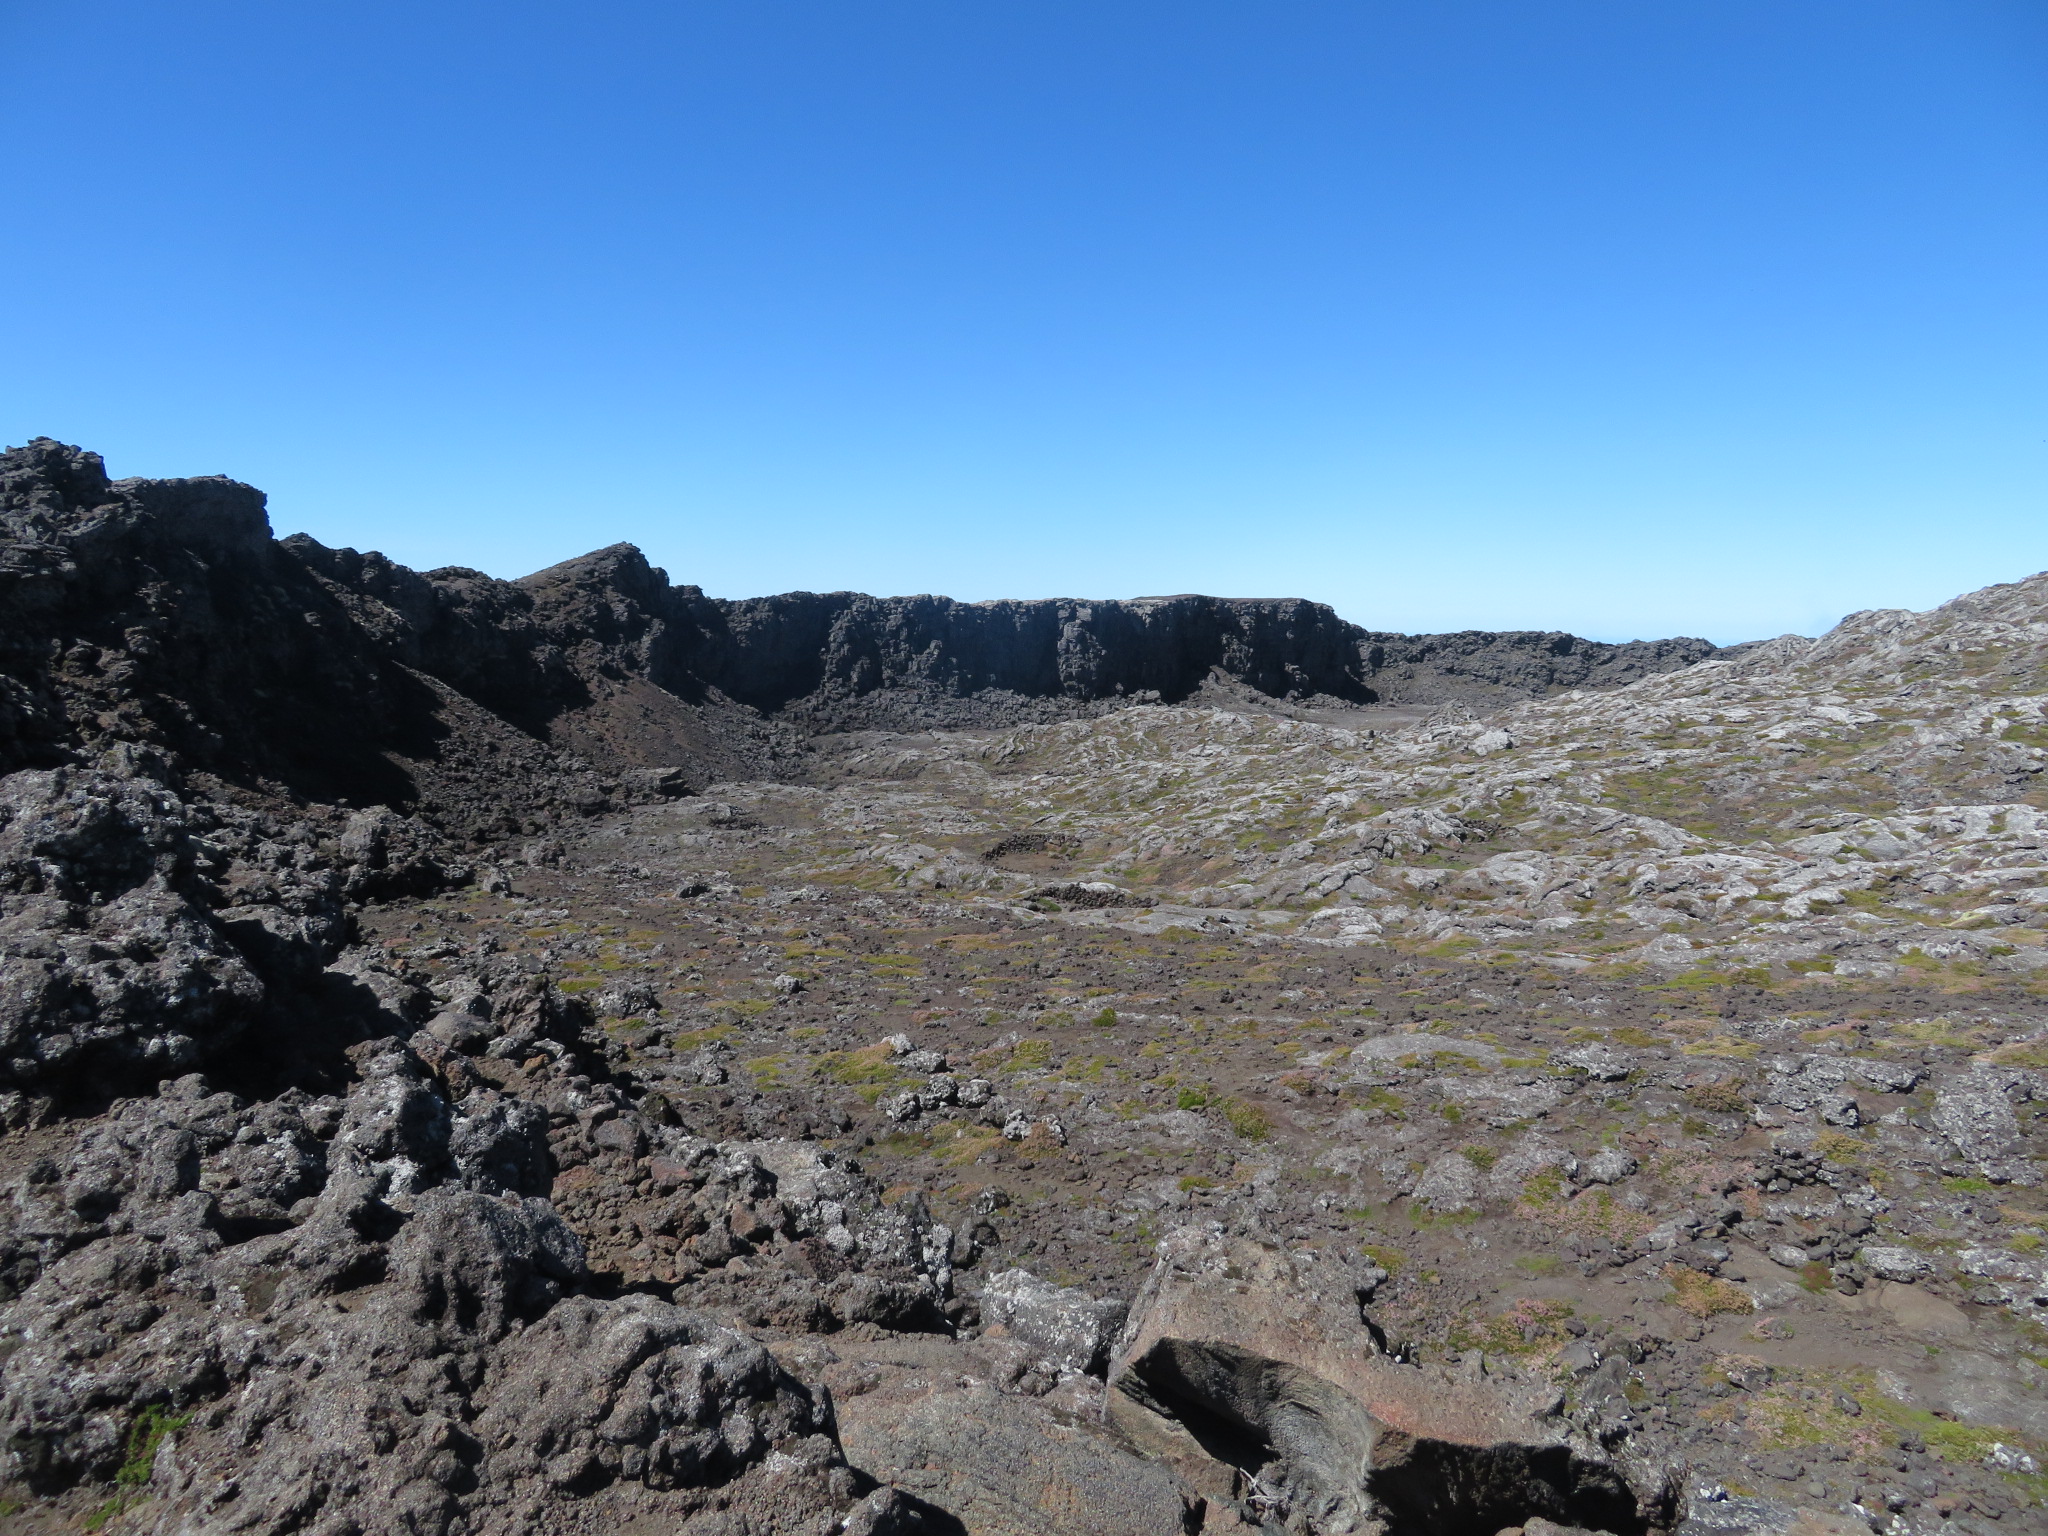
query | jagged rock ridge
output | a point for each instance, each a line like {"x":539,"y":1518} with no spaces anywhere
{"x":822,"y":651}
{"x":162,"y":611}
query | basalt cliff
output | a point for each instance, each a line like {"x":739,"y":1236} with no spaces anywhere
{"x":163,"y":612}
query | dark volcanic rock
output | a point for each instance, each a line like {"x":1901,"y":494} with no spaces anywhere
{"x":345,"y":1313}
{"x":844,"y":658}
{"x":139,"y":932}
{"x":162,"y":612}
{"x":1474,"y":666}
{"x":324,"y":1208}
{"x":775,"y":651}
{"x":160,"y":654}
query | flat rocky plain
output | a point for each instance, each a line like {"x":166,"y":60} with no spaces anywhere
{"x":1605,"y":1107}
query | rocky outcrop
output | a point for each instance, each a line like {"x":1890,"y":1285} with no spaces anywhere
{"x":1258,"y":1376}
{"x":161,"y":614}
{"x":1482,"y":668}
{"x":843,"y":658}
{"x":143,"y":932}
{"x":822,"y":651}
{"x":360,"y":1312}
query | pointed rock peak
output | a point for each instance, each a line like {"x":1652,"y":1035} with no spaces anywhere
{"x":208,"y":512}
{"x":46,"y":473}
{"x":620,"y":567}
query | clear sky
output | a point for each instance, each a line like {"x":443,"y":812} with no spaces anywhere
{"x":1630,"y":317}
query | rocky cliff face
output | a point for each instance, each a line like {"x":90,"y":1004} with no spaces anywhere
{"x":829,"y":657}
{"x":161,"y":614}
{"x":162,"y":611}
{"x":823,"y":650}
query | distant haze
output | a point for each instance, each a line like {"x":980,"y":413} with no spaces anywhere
{"x":1718,"y":319}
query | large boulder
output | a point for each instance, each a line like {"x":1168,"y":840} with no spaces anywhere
{"x":1066,"y":1328}
{"x":639,"y":1389}
{"x":1256,"y":1374}
{"x":1004,"y":1465}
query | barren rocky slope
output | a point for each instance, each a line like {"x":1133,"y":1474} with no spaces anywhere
{"x":1619,"y":1110}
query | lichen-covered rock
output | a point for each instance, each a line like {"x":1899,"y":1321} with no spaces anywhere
{"x":639,"y":1389}
{"x":1974,"y":1110}
{"x":481,"y":1262}
{"x":1901,"y":1265}
{"x":1450,"y":1183}
{"x":361,"y":1318}
{"x":140,"y":935}
{"x":1066,"y":1327}
{"x":1000,"y":1463}
{"x":1610,"y":1165}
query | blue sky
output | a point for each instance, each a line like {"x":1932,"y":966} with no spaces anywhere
{"x":1632,"y":319}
